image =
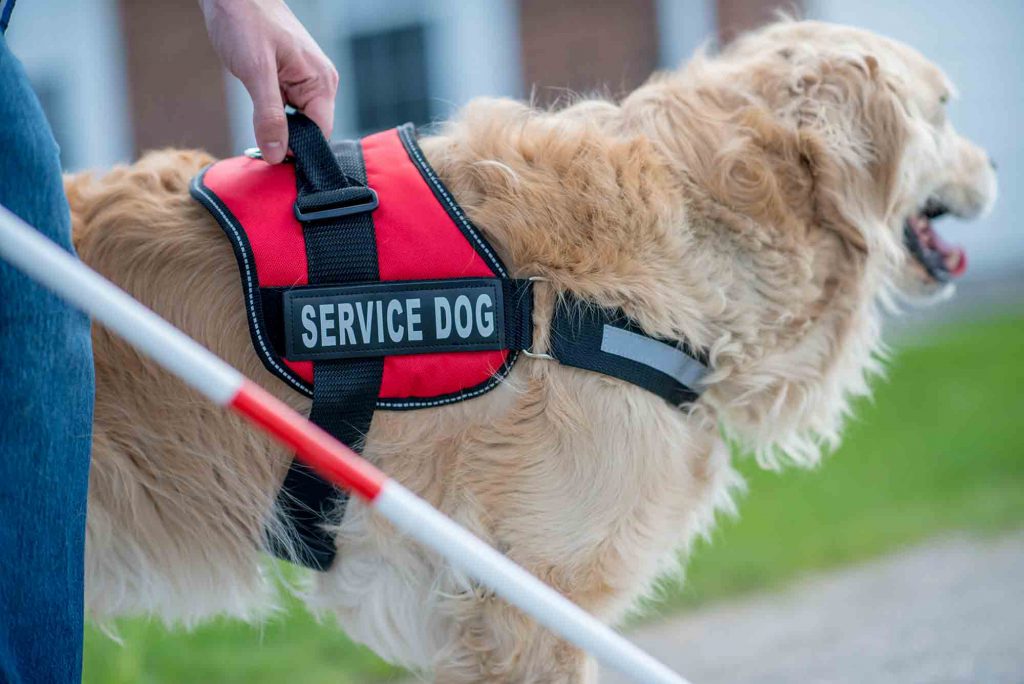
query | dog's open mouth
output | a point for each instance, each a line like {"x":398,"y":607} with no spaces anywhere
{"x":939,"y":259}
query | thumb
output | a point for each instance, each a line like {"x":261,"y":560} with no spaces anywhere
{"x":268,"y":118}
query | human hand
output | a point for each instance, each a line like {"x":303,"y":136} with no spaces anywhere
{"x":268,"y":50}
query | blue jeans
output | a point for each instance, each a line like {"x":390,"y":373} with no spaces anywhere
{"x":46,"y":398}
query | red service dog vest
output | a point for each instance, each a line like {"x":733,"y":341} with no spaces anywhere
{"x":366,"y":287}
{"x":420,"y":234}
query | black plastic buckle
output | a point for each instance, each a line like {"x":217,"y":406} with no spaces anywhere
{"x":356,"y":199}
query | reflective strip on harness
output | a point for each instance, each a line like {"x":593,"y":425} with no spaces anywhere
{"x":606,"y":341}
{"x":660,"y":356}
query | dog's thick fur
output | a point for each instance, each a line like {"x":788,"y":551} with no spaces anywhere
{"x":751,"y":203}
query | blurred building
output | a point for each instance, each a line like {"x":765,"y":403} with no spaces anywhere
{"x":121,"y":76}
{"x":117,"y":77}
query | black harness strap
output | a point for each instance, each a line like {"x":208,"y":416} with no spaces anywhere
{"x":606,"y":341}
{"x":334,"y":206}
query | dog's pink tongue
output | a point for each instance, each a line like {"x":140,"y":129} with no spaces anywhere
{"x":953,"y":256}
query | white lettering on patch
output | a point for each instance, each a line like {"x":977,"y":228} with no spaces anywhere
{"x":463,"y":316}
{"x":365,"y":314}
{"x":485,"y":318}
{"x":442,"y":318}
{"x":308,"y":322}
{"x":395,"y":332}
{"x":346,"y":317}
{"x":412,"y":313}
{"x":380,"y":320}
{"x":327,"y":325}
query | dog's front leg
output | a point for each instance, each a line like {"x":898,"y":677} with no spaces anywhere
{"x":494,"y":642}
{"x":414,"y":610}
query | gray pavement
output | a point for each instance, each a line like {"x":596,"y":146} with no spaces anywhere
{"x":948,"y":611}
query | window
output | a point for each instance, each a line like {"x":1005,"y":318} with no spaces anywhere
{"x":391,"y":78}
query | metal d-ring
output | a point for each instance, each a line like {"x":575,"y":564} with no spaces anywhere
{"x":527,"y":352}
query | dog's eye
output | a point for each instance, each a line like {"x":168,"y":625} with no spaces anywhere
{"x":944,"y":98}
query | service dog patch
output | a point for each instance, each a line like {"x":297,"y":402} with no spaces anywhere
{"x":385,"y":319}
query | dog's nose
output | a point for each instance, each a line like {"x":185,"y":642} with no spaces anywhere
{"x":992,"y":163}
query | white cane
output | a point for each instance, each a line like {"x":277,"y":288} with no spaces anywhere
{"x":48,"y":264}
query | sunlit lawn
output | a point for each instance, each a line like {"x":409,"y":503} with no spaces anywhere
{"x":940,"y":448}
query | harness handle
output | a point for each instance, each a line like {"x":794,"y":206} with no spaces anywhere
{"x":325,"y":190}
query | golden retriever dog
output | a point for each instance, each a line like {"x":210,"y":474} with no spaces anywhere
{"x":759,"y":204}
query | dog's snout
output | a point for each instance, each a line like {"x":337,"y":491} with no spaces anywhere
{"x":992,"y":163}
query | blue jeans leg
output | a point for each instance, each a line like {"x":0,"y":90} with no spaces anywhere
{"x":46,"y":399}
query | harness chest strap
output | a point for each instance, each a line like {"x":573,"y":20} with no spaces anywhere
{"x":368,"y":288}
{"x":340,"y":247}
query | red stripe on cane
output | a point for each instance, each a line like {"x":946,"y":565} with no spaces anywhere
{"x":327,"y":456}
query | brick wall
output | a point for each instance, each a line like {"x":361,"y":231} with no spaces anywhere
{"x":584,"y":45}
{"x":176,"y":84}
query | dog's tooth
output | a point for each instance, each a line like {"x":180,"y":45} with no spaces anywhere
{"x":953,"y":261}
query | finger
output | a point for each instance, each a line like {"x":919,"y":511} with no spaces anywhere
{"x":268,"y":118}
{"x":314,"y":95}
{"x":321,"y":111}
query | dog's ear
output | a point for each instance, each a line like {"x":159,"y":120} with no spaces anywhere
{"x":852,"y":131}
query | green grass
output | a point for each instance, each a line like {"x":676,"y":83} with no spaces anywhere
{"x":940,"y":448}
{"x":292,"y":647}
